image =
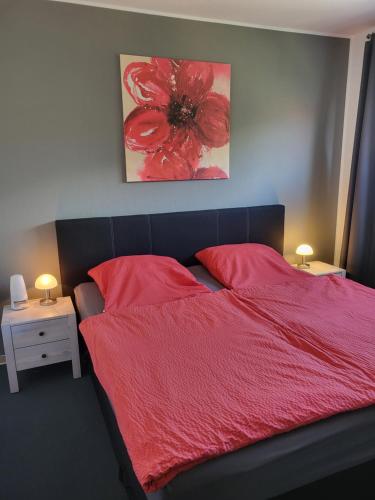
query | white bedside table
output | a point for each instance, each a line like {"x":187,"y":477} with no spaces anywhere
{"x":318,"y":268}
{"x":38,"y":336}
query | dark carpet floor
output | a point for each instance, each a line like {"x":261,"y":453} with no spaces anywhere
{"x":53,"y":441}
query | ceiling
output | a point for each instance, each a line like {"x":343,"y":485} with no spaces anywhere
{"x":332,"y":17}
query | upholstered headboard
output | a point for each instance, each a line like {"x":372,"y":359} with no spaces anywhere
{"x":84,"y":243}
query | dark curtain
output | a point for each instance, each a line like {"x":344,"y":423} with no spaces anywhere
{"x":358,"y":250}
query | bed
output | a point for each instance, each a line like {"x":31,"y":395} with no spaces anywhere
{"x":265,"y":469}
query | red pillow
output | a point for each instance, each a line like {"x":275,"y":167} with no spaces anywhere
{"x":142,"y":280}
{"x":246,"y":264}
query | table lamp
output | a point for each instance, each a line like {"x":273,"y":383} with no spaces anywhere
{"x":46,"y":282}
{"x":304,"y":250}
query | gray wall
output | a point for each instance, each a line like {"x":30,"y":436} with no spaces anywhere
{"x":61,"y":153}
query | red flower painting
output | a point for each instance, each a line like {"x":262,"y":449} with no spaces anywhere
{"x":176,"y":119}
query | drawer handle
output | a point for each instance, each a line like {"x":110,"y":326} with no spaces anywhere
{"x":44,"y":356}
{"x":41,"y":334}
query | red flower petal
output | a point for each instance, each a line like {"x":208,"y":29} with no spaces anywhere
{"x":185,"y":144}
{"x":194,"y":79}
{"x":164,"y":68}
{"x":212,"y":119}
{"x":221,"y":70}
{"x":145,"y":85}
{"x":210,"y":173}
{"x":165,"y":167}
{"x":178,"y":159}
{"x":146,"y":129}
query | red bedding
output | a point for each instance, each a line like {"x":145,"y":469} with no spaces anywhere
{"x":202,"y":376}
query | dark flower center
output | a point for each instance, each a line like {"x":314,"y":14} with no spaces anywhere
{"x":181,"y":111}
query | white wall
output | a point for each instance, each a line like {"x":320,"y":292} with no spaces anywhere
{"x":357,"y":45}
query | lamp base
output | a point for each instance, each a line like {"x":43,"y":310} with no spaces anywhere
{"x":47,"y":302}
{"x":303,"y":266}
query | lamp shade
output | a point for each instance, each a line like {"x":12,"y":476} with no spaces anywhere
{"x":45,"y":282}
{"x":304,"y":249}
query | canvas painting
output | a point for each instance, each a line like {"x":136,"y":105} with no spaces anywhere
{"x":176,"y":119}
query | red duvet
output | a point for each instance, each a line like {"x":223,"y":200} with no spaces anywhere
{"x":198,"y":377}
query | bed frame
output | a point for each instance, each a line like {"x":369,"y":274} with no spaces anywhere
{"x":84,"y":243}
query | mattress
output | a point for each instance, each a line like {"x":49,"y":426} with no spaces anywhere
{"x":281,"y":463}
{"x":269,"y":467}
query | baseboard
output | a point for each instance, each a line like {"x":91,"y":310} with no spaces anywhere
{"x":2,"y":359}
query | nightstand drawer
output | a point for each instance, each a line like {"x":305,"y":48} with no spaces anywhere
{"x":39,"y":332}
{"x":40,"y":355}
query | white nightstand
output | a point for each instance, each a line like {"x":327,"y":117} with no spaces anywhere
{"x":318,"y":268}
{"x":38,"y":336}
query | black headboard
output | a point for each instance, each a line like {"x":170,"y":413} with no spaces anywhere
{"x":84,"y":243}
